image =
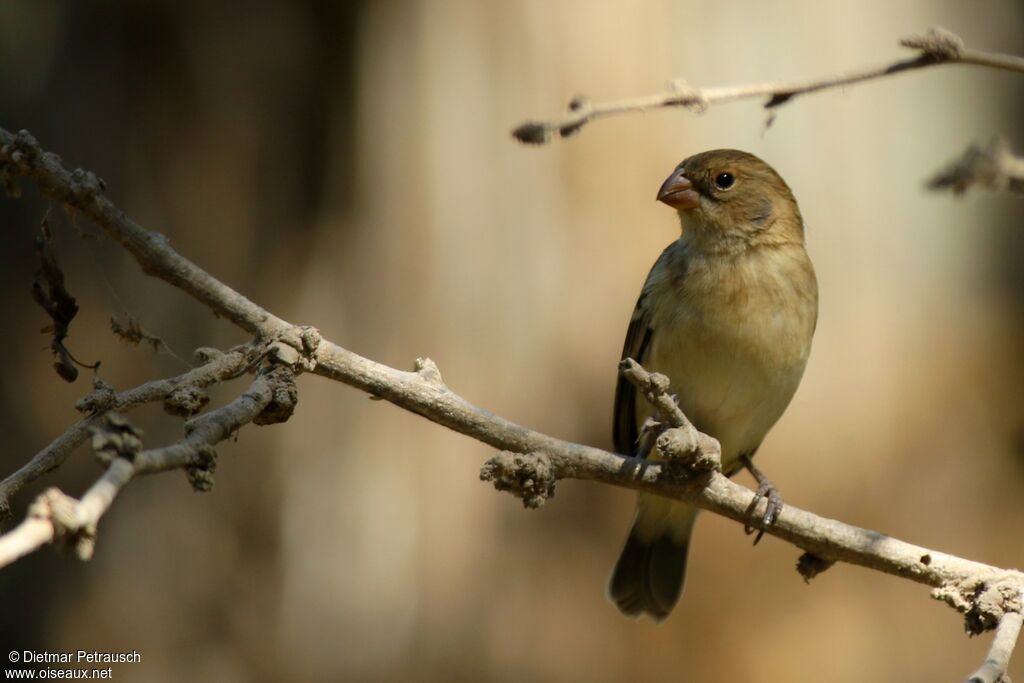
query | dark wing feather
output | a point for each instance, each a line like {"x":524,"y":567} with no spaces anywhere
{"x":638,"y":339}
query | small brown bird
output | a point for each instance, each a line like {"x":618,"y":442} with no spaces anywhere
{"x":727,"y":313}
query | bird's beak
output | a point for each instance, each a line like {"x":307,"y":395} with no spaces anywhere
{"x":677,"y":191}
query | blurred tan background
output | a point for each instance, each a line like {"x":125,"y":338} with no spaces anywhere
{"x":349,"y":165}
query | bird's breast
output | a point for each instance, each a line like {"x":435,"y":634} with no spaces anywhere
{"x":733,"y":336}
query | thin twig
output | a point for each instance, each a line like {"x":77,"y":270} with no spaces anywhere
{"x":937,"y":46}
{"x":103,"y":399}
{"x":993,"y":670}
{"x":993,"y":167}
{"x":56,"y":516}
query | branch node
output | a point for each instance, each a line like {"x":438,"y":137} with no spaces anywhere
{"x":695,"y":452}
{"x":580,"y":109}
{"x":284,"y":353}
{"x":25,"y":147}
{"x":56,"y":507}
{"x":428,"y":370}
{"x":528,"y":476}
{"x":284,"y":396}
{"x":200,"y":471}
{"x":810,"y":565}
{"x":295,"y":346}
{"x":85,"y":184}
{"x":579,"y":103}
{"x":116,"y":438}
{"x":689,"y":97}
{"x":100,"y":399}
{"x":777,"y":100}
{"x":939,"y":43}
{"x":983,"y":603}
{"x":532,"y":133}
{"x":69,"y":532}
{"x":207,"y":354}
{"x":686,"y":450}
{"x":311,"y":339}
{"x":186,"y":401}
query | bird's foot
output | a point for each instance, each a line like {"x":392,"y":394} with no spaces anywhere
{"x":766,"y":491}
{"x":650,"y":430}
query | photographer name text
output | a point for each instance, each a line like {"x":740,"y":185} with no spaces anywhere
{"x":76,"y":657}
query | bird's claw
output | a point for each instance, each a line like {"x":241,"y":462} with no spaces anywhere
{"x":765,"y":491}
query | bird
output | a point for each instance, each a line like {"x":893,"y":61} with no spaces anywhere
{"x":727,"y":313}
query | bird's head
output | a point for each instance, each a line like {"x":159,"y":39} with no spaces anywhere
{"x":728,"y":198}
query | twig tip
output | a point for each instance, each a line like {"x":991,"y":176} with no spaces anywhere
{"x":532,"y":133}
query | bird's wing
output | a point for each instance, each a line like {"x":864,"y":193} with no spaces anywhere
{"x":638,"y":340}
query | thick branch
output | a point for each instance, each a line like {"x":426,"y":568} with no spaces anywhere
{"x":829,"y":539}
{"x":22,"y":156}
{"x":937,"y":46}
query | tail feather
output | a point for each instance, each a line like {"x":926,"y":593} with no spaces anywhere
{"x":648,"y":578}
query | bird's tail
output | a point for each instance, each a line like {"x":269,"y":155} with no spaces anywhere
{"x":648,"y":578}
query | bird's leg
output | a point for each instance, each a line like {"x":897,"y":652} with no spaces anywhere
{"x":650,"y":430}
{"x":765,"y":490}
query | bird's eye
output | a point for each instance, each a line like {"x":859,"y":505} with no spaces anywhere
{"x":723,"y":181}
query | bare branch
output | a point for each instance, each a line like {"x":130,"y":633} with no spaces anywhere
{"x":986,"y":594}
{"x":681,"y":444}
{"x":824,"y":538}
{"x":937,"y":46}
{"x":993,"y":167}
{"x":993,"y":670}
{"x":182,"y":395}
{"x":20,"y":155}
{"x":55,"y":516}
